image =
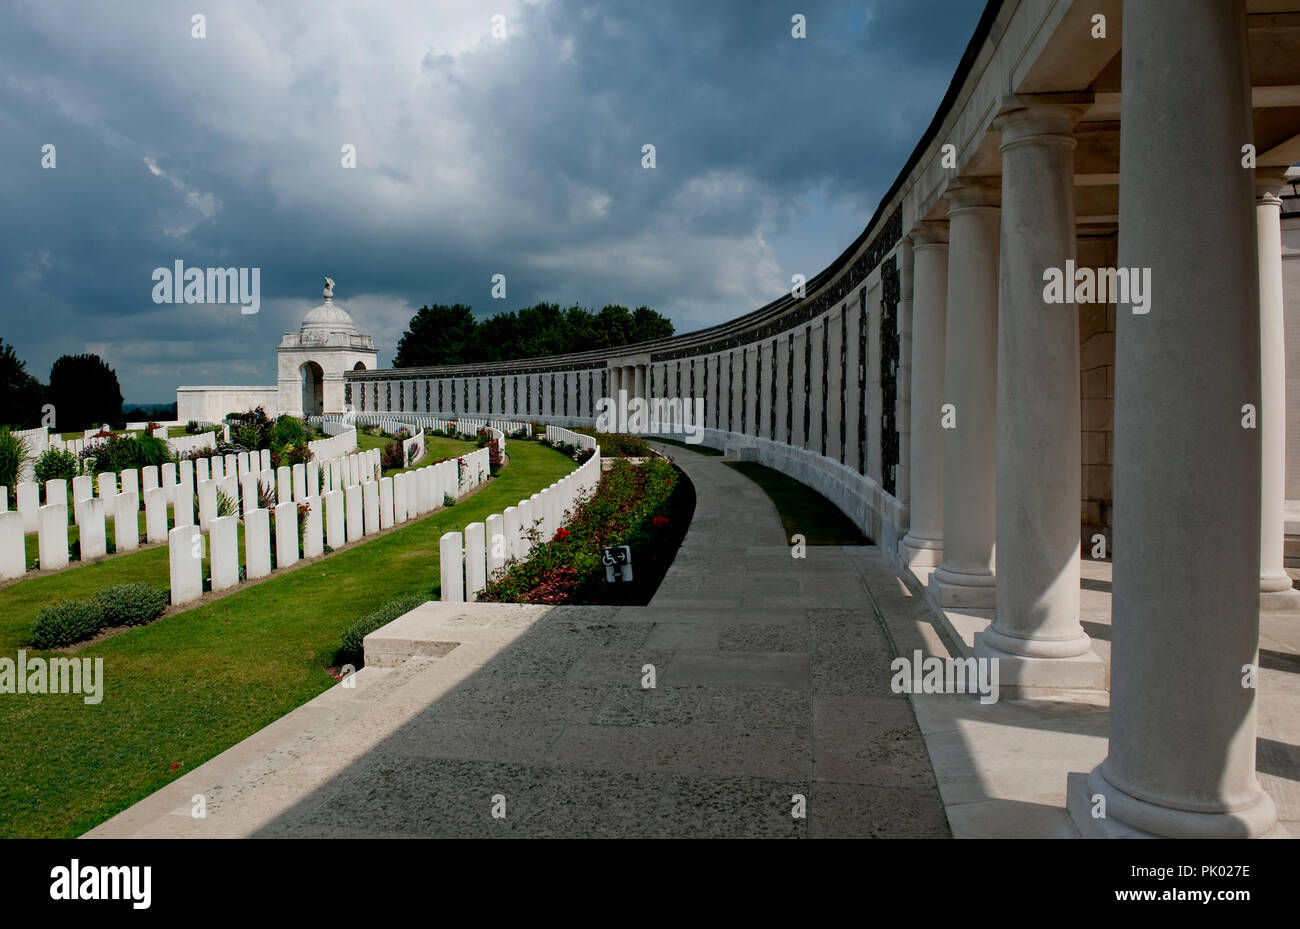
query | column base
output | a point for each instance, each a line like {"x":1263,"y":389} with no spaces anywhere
{"x":1276,"y":593}
{"x":1127,"y":817}
{"x":1019,"y":676}
{"x":920,"y":552}
{"x":970,"y":591}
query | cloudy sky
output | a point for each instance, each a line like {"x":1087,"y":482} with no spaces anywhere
{"x":475,"y":155}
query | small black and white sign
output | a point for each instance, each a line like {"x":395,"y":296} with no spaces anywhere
{"x":618,"y":563}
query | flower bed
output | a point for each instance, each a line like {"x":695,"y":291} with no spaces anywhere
{"x":647,"y":507}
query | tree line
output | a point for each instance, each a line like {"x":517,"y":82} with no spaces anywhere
{"x":82,"y":389}
{"x":444,"y":335}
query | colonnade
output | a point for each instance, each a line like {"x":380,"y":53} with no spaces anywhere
{"x":1199,"y":424}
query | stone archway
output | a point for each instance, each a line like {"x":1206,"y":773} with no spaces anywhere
{"x":313,"y":389}
{"x":359,"y":366}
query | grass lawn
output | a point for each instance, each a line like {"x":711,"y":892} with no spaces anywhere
{"x":802,"y":509}
{"x":185,"y":688}
{"x":699,"y":449}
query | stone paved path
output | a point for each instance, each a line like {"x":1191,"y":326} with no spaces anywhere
{"x":772,"y":680}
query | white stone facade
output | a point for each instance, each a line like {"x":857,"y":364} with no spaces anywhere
{"x":311,"y":366}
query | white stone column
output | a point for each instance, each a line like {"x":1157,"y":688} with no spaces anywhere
{"x":1036,"y":633}
{"x":1275,"y":590}
{"x":965,"y":578}
{"x":1185,"y":617}
{"x":639,"y":381}
{"x":923,"y":544}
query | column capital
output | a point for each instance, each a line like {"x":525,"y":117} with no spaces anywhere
{"x":929,"y":232}
{"x":1040,"y":118}
{"x":1269,"y":183}
{"x":968,"y":193}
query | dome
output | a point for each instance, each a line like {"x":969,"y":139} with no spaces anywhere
{"x":329,"y":317}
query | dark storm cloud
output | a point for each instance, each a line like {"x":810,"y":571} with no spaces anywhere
{"x":475,"y":156}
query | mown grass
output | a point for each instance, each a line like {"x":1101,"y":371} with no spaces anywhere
{"x":802,"y":509}
{"x":185,"y":688}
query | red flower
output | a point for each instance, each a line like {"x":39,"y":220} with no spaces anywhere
{"x":176,"y":765}
{"x":659,"y":522}
{"x":561,"y":534}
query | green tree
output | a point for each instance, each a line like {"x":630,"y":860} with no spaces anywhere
{"x":21,"y":395}
{"x":84,"y":391}
{"x":439,"y":335}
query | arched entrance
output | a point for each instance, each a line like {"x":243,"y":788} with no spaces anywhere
{"x":359,"y":366}
{"x":313,"y":389}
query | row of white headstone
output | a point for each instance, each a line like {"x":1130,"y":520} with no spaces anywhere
{"x":342,"y":506}
{"x":468,"y":560}
{"x":173,"y":485}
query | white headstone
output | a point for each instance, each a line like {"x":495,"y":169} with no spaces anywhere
{"x":232,"y":465}
{"x":313,"y":478}
{"x":313,"y":542}
{"x":223,"y":544}
{"x":370,"y":506}
{"x":497,"y":545}
{"x":399,"y":497}
{"x":29,"y":504}
{"x":94,"y":540}
{"x":249,"y":490}
{"x":452,"y":568}
{"x":335,"y":520}
{"x":218,"y":468}
{"x":52,"y":542}
{"x":131,"y":482}
{"x":185,"y":560}
{"x":283,"y":484}
{"x":107,"y":484}
{"x":155,"y":515}
{"x":241,"y":464}
{"x":386,"y":503}
{"x":149,"y":478}
{"x":202,"y":470}
{"x":475,"y":559}
{"x":510,"y":527}
{"x":13,"y":548}
{"x":257,"y":543}
{"x":185,"y":469}
{"x":207,"y":504}
{"x":126,"y":521}
{"x":352,"y":503}
{"x":56,"y":491}
{"x":286,"y":534}
{"x":167,"y":479}
{"x":183,"y":508}
{"x":266,"y":459}
{"x":299,"y":482}
{"x":83,"y":488}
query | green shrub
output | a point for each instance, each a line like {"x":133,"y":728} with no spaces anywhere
{"x":66,"y":622}
{"x":13,"y":455}
{"x":448,"y":500}
{"x":288,"y":430}
{"x":131,"y":604}
{"x":56,"y":464}
{"x":352,"y":650}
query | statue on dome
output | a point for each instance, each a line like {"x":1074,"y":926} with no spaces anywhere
{"x":328,"y":292}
